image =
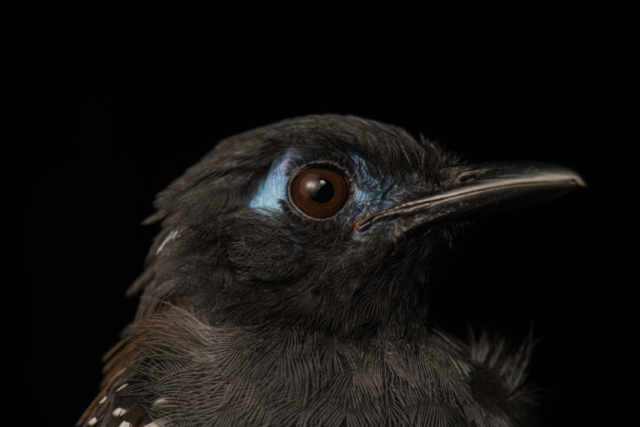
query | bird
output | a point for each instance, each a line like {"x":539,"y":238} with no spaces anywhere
{"x":289,"y":286}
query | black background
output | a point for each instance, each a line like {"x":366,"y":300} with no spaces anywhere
{"x":115,"y":102}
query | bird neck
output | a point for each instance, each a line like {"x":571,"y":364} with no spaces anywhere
{"x":369,"y":315}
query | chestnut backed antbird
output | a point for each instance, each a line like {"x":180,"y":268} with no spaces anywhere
{"x":288,"y":286}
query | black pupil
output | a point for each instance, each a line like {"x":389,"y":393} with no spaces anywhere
{"x":319,"y":189}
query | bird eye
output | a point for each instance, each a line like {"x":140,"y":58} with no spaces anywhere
{"x":319,"y":191}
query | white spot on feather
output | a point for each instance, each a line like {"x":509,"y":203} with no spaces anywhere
{"x":122,"y":387}
{"x":125,"y":424}
{"x":160,"y":401}
{"x":171,"y":236}
{"x":104,"y":399}
{"x":118,"y":412}
{"x":93,"y":421}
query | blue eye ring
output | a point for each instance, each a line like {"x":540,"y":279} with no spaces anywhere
{"x":319,"y":190}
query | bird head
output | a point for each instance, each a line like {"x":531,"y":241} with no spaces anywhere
{"x":325,"y":221}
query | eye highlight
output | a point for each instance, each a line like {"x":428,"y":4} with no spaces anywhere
{"x":319,"y":190}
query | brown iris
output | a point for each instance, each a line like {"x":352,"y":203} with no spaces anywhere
{"x":319,"y":191}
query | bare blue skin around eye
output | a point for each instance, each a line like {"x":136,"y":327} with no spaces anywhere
{"x":273,"y":188}
{"x":369,"y":194}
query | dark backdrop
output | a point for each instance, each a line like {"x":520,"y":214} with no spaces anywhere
{"x":113,"y":103}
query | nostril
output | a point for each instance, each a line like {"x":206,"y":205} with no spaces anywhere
{"x":469,"y":176}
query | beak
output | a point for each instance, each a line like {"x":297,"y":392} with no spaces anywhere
{"x":472,"y":189}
